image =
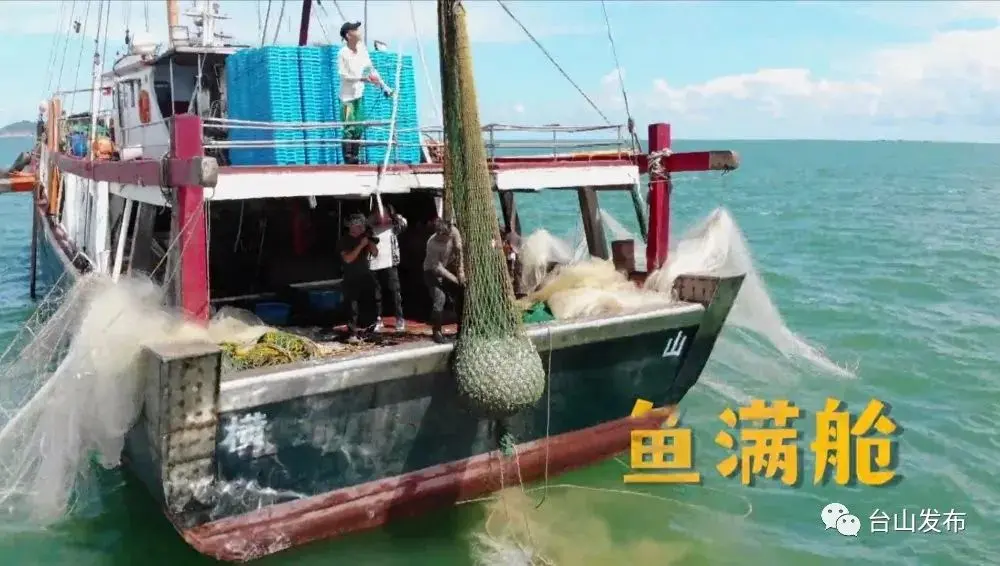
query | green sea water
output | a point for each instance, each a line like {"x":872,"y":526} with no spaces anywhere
{"x":887,"y":255}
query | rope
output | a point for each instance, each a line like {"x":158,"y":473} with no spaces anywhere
{"x":392,"y":132}
{"x":621,"y":79}
{"x":365,"y":20}
{"x":145,"y":14}
{"x":127,"y":17}
{"x":54,"y":50}
{"x":423,"y":62}
{"x":281,"y":16}
{"x":340,"y":12}
{"x":548,"y":417}
{"x":79,"y":58}
{"x":62,"y":65}
{"x":322,"y":27}
{"x":267,"y":20}
{"x":552,"y":60}
{"x":655,"y":161}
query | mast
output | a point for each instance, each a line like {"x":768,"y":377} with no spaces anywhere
{"x":173,"y":20}
{"x":304,"y":24}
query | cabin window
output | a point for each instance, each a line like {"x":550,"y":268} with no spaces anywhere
{"x":162,"y":89}
{"x":131,"y":88}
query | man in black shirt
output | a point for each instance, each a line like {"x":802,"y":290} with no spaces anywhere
{"x":356,"y":249}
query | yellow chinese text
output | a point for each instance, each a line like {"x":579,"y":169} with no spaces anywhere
{"x":837,"y":439}
{"x":669,"y":450}
{"x":761,"y":450}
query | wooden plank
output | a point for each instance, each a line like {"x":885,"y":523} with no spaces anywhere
{"x":593,"y":228}
{"x":508,"y":208}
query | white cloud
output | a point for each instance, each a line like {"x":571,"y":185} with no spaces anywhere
{"x":611,"y":91}
{"x":953,"y":78}
{"x":519,"y":109}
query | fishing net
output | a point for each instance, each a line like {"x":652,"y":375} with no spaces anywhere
{"x":71,"y":383}
{"x":273,"y":348}
{"x":496,"y":365}
{"x":70,"y":391}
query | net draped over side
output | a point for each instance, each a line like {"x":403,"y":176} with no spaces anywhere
{"x":497,"y":368}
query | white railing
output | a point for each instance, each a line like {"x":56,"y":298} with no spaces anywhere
{"x":501,"y":140}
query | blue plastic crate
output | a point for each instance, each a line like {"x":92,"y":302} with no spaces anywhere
{"x":300,"y":84}
{"x":279,"y":84}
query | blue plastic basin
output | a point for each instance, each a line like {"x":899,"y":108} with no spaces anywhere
{"x":78,"y":145}
{"x":275,"y":314}
{"x":325,"y":300}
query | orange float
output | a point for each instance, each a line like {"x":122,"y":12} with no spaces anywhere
{"x":144,"y":109}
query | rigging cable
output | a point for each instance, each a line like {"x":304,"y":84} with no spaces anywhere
{"x":339,"y":10}
{"x":277,"y":26}
{"x":322,"y":27}
{"x":621,"y":80}
{"x":62,"y":65}
{"x":104,"y":52}
{"x":423,"y":62}
{"x":267,"y":20}
{"x":79,"y":58}
{"x":145,"y":14}
{"x":127,"y":16}
{"x":552,"y":60}
{"x":365,"y":20}
{"x":53,"y":49}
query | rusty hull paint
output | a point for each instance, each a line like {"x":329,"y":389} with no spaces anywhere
{"x":278,"y":527}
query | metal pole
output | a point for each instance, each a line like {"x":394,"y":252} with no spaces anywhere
{"x":304,"y":24}
{"x":34,"y":242}
{"x":173,"y":20}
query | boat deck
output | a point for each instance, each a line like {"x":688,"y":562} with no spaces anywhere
{"x":389,"y":356}
{"x":330,"y":340}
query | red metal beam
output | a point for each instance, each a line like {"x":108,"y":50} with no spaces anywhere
{"x":658,"y":200}
{"x":175,"y":172}
{"x":188,"y":230}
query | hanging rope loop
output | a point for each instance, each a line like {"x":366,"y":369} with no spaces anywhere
{"x":657,"y":171}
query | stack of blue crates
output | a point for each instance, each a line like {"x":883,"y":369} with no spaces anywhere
{"x":300,"y":84}
{"x":379,"y":107}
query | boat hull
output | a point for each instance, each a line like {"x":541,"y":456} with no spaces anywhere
{"x":290,"y":456}
{"x":374,"y":504}
{"x":54,"y":265}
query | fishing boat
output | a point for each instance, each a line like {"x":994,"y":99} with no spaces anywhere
{"x":250,"y":462}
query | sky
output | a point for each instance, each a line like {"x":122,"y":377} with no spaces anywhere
{"x":714,"y":70}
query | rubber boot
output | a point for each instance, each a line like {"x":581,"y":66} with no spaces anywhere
{"x":436,"y":333}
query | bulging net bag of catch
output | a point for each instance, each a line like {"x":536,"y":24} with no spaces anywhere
{"x":497,"y":368}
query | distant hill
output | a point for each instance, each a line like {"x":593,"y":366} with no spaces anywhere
{"x":22,"y":128}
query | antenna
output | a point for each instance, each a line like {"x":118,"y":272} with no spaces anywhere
{"x":204,"y":15}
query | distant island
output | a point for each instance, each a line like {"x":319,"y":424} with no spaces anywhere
{"x":24,"y":128}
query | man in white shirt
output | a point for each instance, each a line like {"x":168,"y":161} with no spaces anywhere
{"x":355,"y":69}
{"x":385,"y":265}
